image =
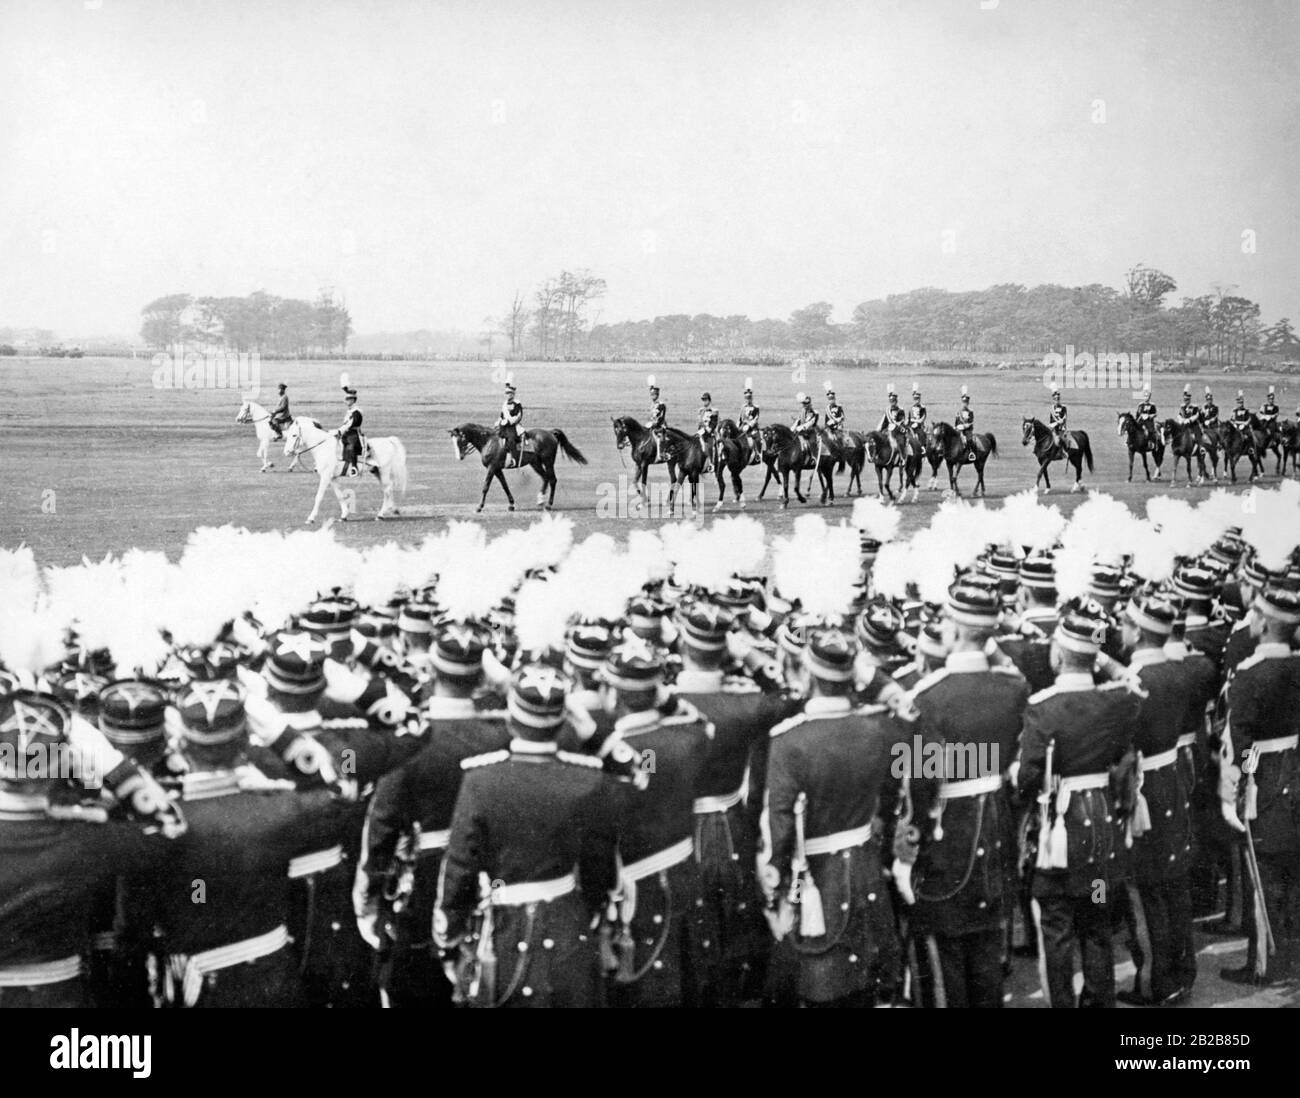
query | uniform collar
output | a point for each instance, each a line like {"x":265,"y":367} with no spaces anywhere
{"x":694,"y":681}
{"x":1177,"y":650}
{"x":533,"y":747}
{"x":302,"y":722}
{"x":1194,"y":620}
{"x":638,"y":721}
{"x":588,"y":700}
{"x":966,"y":662}
{"x":1072,"y":681}
{"x":1145,"y":657}
{"x":450,"y":709}
{"x":1272,"y":650}
{"x":824,"y":707}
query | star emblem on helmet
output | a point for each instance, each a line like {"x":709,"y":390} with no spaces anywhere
{"x":461,"y":635}
{"x":29,"y":721}
{"x":544,"y":680}
{"x":302,"y":645}
{"x":210,"y":695}
{"x":134,"y":694}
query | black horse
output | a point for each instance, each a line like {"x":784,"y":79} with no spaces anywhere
{"x":1140,"y":441}
{"x":1047,"y":450}
{"x":784,"y":453}
{"x":880,"y":452}
{"x":1289,"y":437}
{"x":540,"y":450}
{"x":1185,"y":441}
{"x":734,"y":451}
{"x":1242,"y":442}
{"x":946,"y":445}
{"x":682,"y":453}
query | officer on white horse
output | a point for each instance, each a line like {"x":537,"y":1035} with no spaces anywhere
{"x":350,"y":429}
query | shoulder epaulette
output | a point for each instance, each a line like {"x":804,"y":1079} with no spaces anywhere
{"x":787,"y":724}
{"x":738,"y":684}
{"x":933,"y":678}
{"x":1003,"y":669}
{"x":1253,"y":660}
{"x":339,"y":723}
{"x":485,"y":760}
{"x":1042,"y":695}
{"x":578,"y":760}
{"x":869,"y":710}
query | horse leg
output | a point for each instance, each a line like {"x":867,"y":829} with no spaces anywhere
{"x":738,"y":488}
{"x":487,"y":483}
{"x":1130,"y":464}
{"x":1077,"y":461}
{"x":1046,"y":477}
{"x":798,"y":485}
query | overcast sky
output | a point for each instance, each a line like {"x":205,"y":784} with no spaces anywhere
{"x":427,"y":159}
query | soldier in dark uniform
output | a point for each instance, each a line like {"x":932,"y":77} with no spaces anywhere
{"x":656,"y":924}
{"x":1269,"y":411}
{"x":508,"y":424}
{"x":1261,"y":789}
{"x":280,"y":417}
{"x":62,"y":847}
{"x":834,"y":418}
{"x":532,"y":848}
{"x":829,"y":768}
{"x":728,"y":799}
{"x":350,"y":429}
{"x":965,"y":423}
{"x":1162,"y":820}
{"x":749,"y":413}
{"x":1240,"y":421}
{"x":916,"y":414}
{"x":1195,"y":586}
{"x":1074,"y":733}
{"x":223,"y":900}
{"x":1057,"y":420}
{"x":805,"y":422}
{"x":894,"y":423}
{"x":1146,"y":419}
{"x":962,"y":841}
{"x":408,"y":821}
{"x":1209,"y":412}
{"x":707,"y":429}
{"x":658,"y":418}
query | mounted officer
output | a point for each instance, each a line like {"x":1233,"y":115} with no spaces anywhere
{"x":1146,"y":417}
{"x":916,"y":414}
{"x":834,"y":411}
{"x":508,"y":423}
{"x":1057,"y":420}
{"x":894,"y":421}
{"x":707,"y":429}
{"x":658,"y":418}
{"x":350,"y":429}
{"x":965,"y":424}
{"x":749,"y":413}
{"x":805,"y":422}
{"x":280,"y":417}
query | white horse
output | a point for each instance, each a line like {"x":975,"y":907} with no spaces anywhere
{"x":387,"y":459}
{"x":252,"y":412}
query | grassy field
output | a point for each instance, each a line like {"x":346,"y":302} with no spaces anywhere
{"x":100,"y":460}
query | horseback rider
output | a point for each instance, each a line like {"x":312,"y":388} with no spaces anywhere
{"x":1209,"y":410}
{"x":1146,"y":417}
{"x":1269,"y":411}
{"x":508,"y":423}
{"x":965,"y":424}
{"x":707,"y":429}
{"x":805,"y":422}
{"x":1239,"y":419}
{"x":350,"y":429}
{"x":1188,"y":414}
{"x":1056,"y":420}
{"x":894,"y":421}
{"x":834,"y":420}
{"x":658,"y":418}
{"x":916,"y":414}
{"x":280,"y":417}
{"x":749,"y":413}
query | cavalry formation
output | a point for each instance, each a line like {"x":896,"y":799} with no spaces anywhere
{"x":903,"y":442}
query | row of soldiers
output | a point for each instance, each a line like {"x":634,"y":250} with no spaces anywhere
{"x":715,"y":799}
{"x":807,"y":421}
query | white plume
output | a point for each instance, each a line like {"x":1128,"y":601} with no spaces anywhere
{"x":1025,"y":522}
{"x":892,"y":570}
{"x":876,"y":520}
{"x":1188,"y":531}
{"x":542,"y":614}
{"x":1271,"y":524}
{"x":818,"y":566}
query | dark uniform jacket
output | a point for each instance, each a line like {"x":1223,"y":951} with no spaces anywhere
{"x":967,"y":854}
{"x":1264,"y":704}
{"x":1092,"y":728}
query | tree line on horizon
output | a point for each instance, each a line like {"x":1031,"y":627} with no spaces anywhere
{"x":1221,"y":327}
{"x":259,"y":322}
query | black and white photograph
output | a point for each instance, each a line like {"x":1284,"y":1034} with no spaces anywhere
{"x":703,"y":504}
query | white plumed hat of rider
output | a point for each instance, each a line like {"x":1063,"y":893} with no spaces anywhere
{"x":964,"y":391}
{"x":799,"y":398}
{"x":1271,"y":390}
{"x":890,"y":387}
{"x":916,"y":388}
{"x":343,"y":380}
{"x":650,"y":382}
{"x":749,"y":384}
{"x":827,"y":385}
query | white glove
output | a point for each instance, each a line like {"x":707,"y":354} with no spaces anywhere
{"x":902,"y":873}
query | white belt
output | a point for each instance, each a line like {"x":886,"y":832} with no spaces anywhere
{"x":1159,"y":762}
{"x":191,"y":970}
{"x":657,"y":863}
{"x":1282,"y":743}
{"x":41,"y":973}
{"x":706,"y":805}
{"x":316,"y":862}
{"x":971,"y":787}
{"x":1076,"y":783}
{"x":1187,"y":739}
{"x":434,"y":840}
{"x":840,"y":840}
{"x":533,"y":892}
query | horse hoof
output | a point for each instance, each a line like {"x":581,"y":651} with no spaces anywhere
{"x":311,"y":522}
{"x":511,"y":507}
{"x":478,"y":508}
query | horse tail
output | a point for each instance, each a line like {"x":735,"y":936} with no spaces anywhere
{"x":399,"y":466}
{"x":993,"y":445}
{"x":567,"y":448}
{"x":1086,"y":446}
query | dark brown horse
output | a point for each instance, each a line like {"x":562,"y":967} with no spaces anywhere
{"x":784,"y":453}
{"x":946,"y":445}
{"x":734,"y":451}
{"x":879,"y":449}
{"x":541,"y":449}
{"x":1140,"y":441}
{"x":683,"y":454}
{"x":1047,"y":450}
{"x":1185,"y":441}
